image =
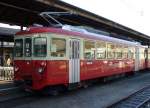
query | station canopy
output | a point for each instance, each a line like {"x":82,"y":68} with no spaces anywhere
{"x":26,"y":13}
{"x":7,"y":34}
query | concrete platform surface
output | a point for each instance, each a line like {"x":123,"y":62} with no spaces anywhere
{"x":10,"y":92}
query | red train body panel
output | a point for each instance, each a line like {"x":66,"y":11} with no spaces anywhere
{"x":57,"y":72}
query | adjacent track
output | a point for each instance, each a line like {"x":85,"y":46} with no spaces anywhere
{"x":139,"y":99}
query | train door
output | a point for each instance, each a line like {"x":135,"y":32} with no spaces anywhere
{"x":137,"y":59}
{"x":74,"y":61}
{"x":28,"y":48}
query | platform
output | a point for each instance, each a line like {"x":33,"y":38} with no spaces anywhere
{"x":8,"y":91}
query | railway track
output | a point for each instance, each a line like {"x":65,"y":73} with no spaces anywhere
{"x":19,"y":98}
{"x":139,"y":99}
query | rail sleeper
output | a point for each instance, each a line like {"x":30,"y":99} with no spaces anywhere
{"x":136,"y":100}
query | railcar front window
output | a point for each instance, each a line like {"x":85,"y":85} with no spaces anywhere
{"x":28,"y":47}
{"x":40,"y":47}
{"x":58,"y":47}
{"x":18,"y":48}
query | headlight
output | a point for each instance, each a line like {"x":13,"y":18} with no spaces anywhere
{"x":16,"y":68}
{"x":40,"y":70}
{"x":43,"y":64}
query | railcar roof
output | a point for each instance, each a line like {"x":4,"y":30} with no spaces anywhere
{"x":35,"y":30}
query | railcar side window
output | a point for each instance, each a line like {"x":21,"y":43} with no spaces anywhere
{"x":18,"y":48}
{"x":101,"y":50}
{"x":40,"y":46}
{"x":28,"y":47}
{"x":125,"y":52}
{"x":131,"y":53}
{"x":118,"y":51}
{"x":89,"y":49}
{"x":58,"y":47}
{"x":110,"y":51}
{"x":142,"y":53}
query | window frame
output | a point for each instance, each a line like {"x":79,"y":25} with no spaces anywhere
{"x":22,"y":48}
{"x":93,"y":58}
{"x":57,"y":37}
{"x":30,"y":46}
{"x":114,"y":57}
{"x":105,"y":55}
{"x":133,"y":52}
{"x":120,"y":46}
{"x":123,"y":54}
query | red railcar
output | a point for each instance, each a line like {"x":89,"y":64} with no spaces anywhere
{"x":46,"y":57}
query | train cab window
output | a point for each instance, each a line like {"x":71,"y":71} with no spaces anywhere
{"x":89,"y":49}
{"x":18,"y":48}
{"x":118,"y":51}
{"x":110,"y":51}
{"x":58,"y":47}
{"x":131,"y":53}
{"x":28,"y":47}
{"x":101,"y":50}
{"x":40,"y":47}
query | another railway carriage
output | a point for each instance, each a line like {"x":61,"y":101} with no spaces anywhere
{"x":148,"y":58}
{"x":46,"y":57}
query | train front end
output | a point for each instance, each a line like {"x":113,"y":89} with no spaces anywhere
{"x":30,"y":64}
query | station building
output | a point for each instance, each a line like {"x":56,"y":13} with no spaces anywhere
{"x":6,"y":45}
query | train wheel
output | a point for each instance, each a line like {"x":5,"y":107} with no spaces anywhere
{"x":54,"y":93}
{"x":85,"y":84}
{"x":54,"y":90}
